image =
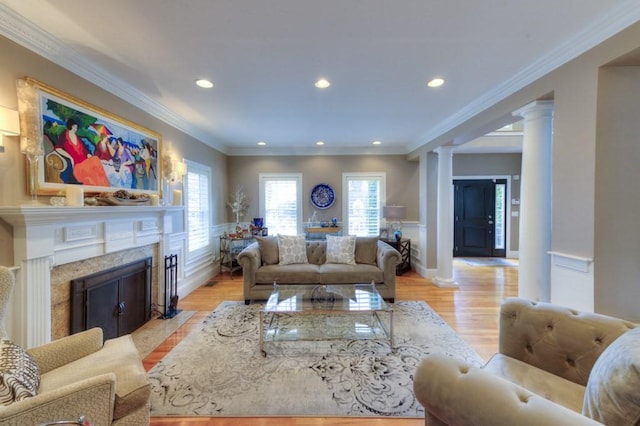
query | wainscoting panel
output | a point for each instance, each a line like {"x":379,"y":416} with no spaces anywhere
{"x":572,"y":281}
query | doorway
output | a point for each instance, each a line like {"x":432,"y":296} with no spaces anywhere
{"x":480,"y":217}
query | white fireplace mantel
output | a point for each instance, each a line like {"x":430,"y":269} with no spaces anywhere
{"x":47,"y":236}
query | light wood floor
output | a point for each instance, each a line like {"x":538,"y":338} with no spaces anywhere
{"x":471,"y":309}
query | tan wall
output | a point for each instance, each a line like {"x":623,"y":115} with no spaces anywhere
{"x":574,"y":90}
{"x":19,"y":62}
{"x":617,"y":194}
{"x":494,"y":165}
{"x":402,"y":179}
{"x":579,"y":176}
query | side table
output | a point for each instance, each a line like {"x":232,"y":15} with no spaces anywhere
{"x":229,"y":249}
{"x":404,"y":247}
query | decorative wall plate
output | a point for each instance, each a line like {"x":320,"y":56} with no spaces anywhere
{"x":322,"y":196}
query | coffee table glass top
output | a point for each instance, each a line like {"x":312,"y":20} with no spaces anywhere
{"x":325,"y":312}
{"x":339,"y":297}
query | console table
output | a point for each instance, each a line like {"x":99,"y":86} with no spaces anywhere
{"x":321,"y":232}
{"x":229,"y":249}
{"x":404,"y":247}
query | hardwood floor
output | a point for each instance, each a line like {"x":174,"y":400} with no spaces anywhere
{"x":471,"y":309}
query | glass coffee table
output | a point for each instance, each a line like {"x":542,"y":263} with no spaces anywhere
{"x":325,"y":312}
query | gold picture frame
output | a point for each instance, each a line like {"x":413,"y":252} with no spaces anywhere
{"x":71,"y":142}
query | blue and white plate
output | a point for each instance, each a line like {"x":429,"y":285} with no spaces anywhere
{"x":322,"y":196}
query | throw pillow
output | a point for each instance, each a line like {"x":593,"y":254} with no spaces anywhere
{"x":268,"y":250}
{"x":292,"y":249}
{"x":367,"y":250}
{"x":612,"y":396}
{"x":341,"y":249}
{"x":19,"y":373}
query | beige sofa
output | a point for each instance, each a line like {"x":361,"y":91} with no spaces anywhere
{"x":375,"y":261}
{"x":555,"y":366}
{"x":107,"y":384}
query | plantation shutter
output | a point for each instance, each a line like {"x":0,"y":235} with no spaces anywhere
{"x":197,"y":204}
{"x":364,"y":204}
{"x":280,"y":202}
{"x":281,"y":206}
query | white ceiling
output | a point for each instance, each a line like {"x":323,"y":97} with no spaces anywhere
{"x":264,"y":56}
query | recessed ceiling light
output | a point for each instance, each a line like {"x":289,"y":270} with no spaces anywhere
{"x":436,"y":82}
{"x":262,"y":143}
{"x":205,"y":84}
{"x":376,"y":143}
{"x":323,"y":83}
{"x":320,"y":143}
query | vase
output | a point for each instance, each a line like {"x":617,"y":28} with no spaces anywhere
{"x":167,"y":196}
{"x":33,"y":176}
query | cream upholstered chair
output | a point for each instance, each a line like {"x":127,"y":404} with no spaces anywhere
{"x":555,"y":366}
{"x":77,"y":375}
{"x":7,"y":282}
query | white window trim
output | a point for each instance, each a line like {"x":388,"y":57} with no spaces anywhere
{"x":282,"y":176}
{"x":382,"y":176}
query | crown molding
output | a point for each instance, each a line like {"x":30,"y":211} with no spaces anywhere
{"x":18,"y":29}
{"x":622,"y":15}
{"x":314,"y":151}
{"x":22,"y":31}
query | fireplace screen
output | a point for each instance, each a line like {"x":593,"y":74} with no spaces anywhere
{"x":117,"y":300}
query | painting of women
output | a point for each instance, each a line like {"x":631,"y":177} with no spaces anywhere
{"x":72,"y":143}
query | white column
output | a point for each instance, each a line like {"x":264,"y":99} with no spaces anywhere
{"x":35,"y":285}
{"x":535,"y":201}
{"x":423,"y":237}
{"x":444,"y":276}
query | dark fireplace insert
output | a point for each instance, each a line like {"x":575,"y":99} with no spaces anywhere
{"x":118,"y":300}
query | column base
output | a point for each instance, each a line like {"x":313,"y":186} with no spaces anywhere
{"x":444,"y":282}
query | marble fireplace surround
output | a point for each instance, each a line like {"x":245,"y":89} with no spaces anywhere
{"x":45,"y":237}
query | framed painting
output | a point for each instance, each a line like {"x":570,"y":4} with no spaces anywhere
{"x":81,"y":144}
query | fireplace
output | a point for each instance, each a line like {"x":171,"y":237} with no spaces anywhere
{"x":117,"y":300}
{"x":50,"y":241}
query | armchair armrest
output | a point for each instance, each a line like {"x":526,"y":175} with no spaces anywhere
{"x":93,"y":398}
{"x":456,"y":393}
{"x":250,"y":260}
{"x":67,"y":349}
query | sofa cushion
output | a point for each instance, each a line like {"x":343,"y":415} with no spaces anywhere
{"x":341,"y":249}
{"x":118,"y":356}
{"x":288,"y":274}
{"x":612,"y":395}
{"x":547,"y":385}
{"x":268,"y":250}
{"x":317,"y":252}
{"x":367,"y":250}
{"x":291,"y":249}
{"x":19,"y":373}
{"x":335,"y":273}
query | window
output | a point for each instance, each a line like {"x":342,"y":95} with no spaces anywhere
{"x":281,"y":202}
{"x":363,"y":195}
{"x":500,"y":203}
{"x":197,"y":207}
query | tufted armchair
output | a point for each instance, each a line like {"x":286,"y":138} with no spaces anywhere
{"x":555,"y":366}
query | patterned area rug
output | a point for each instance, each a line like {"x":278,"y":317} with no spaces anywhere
{"x":218,"y":370}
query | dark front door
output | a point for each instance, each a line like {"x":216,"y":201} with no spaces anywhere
{"x":475,"y":218}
